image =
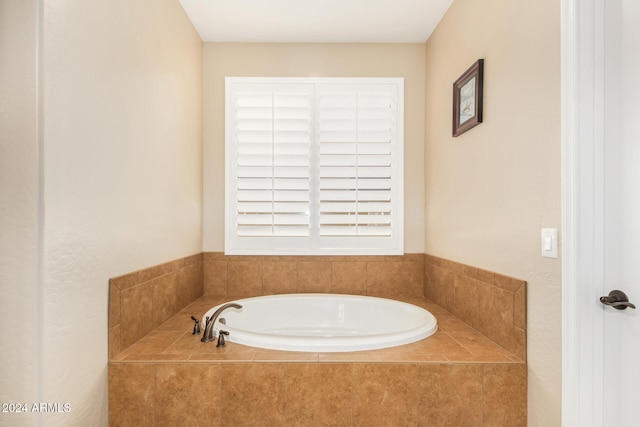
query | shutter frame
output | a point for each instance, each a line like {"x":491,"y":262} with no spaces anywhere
{"x":369,"y":166}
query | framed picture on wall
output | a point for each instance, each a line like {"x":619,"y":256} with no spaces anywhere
{"x":467,"y":99}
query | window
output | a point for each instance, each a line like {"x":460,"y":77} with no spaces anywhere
{"x":314,"y":166}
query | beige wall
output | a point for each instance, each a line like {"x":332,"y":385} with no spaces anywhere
{"x":19,"y":207}
{"x":313,"y":60}
{"x":123,"y":177}
{"x":491,"y":190}
{"x":122,"y":138}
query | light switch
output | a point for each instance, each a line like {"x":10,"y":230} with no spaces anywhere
{"x":550,"y":242}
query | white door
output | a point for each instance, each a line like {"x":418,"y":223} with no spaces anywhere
{"x":621,"y":352}
{"x":601,"y":211}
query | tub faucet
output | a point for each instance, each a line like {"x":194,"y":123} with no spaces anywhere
{"x":210,"y":333}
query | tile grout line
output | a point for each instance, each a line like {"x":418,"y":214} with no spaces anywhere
{"x":417,"y":377}
{"x":220,"y":402}
{"x":286,"y":393}
{"x":353,"y":390}
{"x":483,"y":394}
{"x":155,"y":392}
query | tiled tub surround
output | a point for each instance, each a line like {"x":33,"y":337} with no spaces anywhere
{"x":141,"y":301}
{"x":456,"y":377}
{"x":381,"y":276}
{"x":492,"y":303}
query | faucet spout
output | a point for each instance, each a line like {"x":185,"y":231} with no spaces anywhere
{"x":209,"y":332}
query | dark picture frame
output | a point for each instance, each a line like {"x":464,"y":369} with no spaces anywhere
{"x":467,"y":99}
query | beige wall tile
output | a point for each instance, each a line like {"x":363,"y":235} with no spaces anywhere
{"x":395,"y":356}
{"x":479,"y":274}
{"x":452,"y":324}
{"x":262,"y":355}
{"x":439,"y":343}
{"x":188,"y":344}
{"x":505,"y":395}
{"x":221,"y":357}
{"x":384,"y":278}
{"x":358,"y":356}
{"x":215,"y":277}
{"x":349,"y":277}
{"x":384,"y":394}
{"x":279,"y":277}
{"x":494,"y":314}
{"x":254,"y":394}
{"x":434,"y":260}
{"x":299,"y":393}
{"x":413,"y":278}
{"x":244,"y":278}
{"x":508,"y":283}
{"x":479,"y":345}
{"x":187,"y":394}
{"x":114,"y":341}
{"x":450,"y":395}
{"x":439,"y":286}
{"x":180,"y":322}
{"x":520,"y":308}
{"x":138,"y":303}
{"x":126,"y":280}
{"x":155,"y":342}
{"x":165,"y":297}
{"x":467,"y":297}
{"x":193,"y":260}
{"x":196,"y":279}
{"x":114,"y":304}
{"x":314,"y":276}
{"x":184,"y":286}
{"x":413,"y":258}
{"x":520,"y":343}
{"x":146,"y":357}
{"x":159,"y":270}
{"x":319,"y":394}
{"x":131,"y":394}
{"x":492,"y":303}
{"x":202,"y":305}
{"x":213,"y":256}
{"x":136,"y":313}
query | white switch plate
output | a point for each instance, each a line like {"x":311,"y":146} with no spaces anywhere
{"x":549,"y":242}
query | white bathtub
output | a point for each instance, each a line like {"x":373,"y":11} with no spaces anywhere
{"x":324,"y":322}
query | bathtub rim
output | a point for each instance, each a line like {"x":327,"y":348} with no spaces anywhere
{"x":333,"y":344}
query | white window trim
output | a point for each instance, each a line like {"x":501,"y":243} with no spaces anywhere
{"x":360,"y":245}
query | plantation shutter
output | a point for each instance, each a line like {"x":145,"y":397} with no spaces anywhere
{"x":313,"y":166}
{"x":356,"y":136}
{"x":270,"y":165}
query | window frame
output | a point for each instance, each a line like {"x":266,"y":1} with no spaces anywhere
{"x":315,"y":244}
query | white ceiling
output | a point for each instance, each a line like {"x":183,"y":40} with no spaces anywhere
{"x":315,"y":21}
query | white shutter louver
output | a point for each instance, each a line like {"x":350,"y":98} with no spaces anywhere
{"x":273,"y":134}
{"x":355,"y":128}
{"x":313,"y":166}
